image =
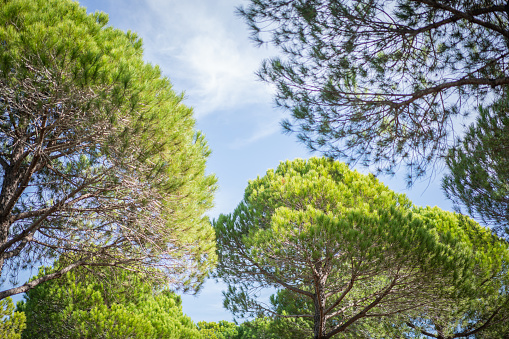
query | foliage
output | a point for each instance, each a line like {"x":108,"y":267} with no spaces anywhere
{"x":484,"y":310}
{"x":286,"y":303}
{"x":114,"y":304}
{"x":259,"y":328}
{"x":500,"y":331}
{"x":11,"y":323}
{"x":479,"y":168}
{"x":100,"y":163}
{"x":220,"y":330}
{"x":378,"y":81}
{"x":344,"y":242}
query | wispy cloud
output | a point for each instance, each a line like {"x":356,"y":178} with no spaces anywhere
{"x":260,"y":133}
{"x":207,"y":56}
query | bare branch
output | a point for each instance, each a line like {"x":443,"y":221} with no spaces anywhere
{"x":29,"y":285}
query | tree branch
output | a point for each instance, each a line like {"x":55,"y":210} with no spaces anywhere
{"x":37,"y":223}
{"x":483,"y":326}
{"x":29,"y":285}
{"x":457,"y":83}
{"x":361,"y":314}
{"x":421,"y":330}
{"x":470,"y":15}
{"x":279,"y":281}
{"x":18,"y":249}
{"x":341,"y":297}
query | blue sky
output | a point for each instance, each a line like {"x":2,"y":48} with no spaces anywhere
{"x":203,"y":47}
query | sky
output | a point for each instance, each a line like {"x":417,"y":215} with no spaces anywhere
{"x":204,"y":48}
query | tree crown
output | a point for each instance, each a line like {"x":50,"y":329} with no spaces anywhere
{"x":101,"y":165}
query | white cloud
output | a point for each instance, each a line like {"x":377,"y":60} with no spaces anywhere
{"x":205,"y":50}
{"x":260,"y":133}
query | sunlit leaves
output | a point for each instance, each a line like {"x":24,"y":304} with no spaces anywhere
{"x":100,"y":160}
{"x":111,"y":304}
{"x":347,"y":244}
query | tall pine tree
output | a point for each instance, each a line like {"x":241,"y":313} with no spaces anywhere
{"x":346,"y":245}
{"x":100,"y":164}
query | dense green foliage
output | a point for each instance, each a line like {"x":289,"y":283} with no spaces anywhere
{"x":11,"y":323}
{"x":220,"y":330}
{"x":484,"y":310}
{"x":380,"y":81}
{"x":501,"y":331}
{"x":479,"y":168}
{"x":107,"y":304}
{"x":346,"y":244}
{"x":261,"y":327}
{"x":100,"y":164}
{"x":258,"y":328}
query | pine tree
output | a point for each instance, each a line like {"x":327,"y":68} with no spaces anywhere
{"x":479,"y":168}
{"x":11,"y":323}
{"x":100,"y":164}
{"x":345,"y":243}
{"x":107,"y":304}
{"x":220,"y":330}
{"x":382,"y":81}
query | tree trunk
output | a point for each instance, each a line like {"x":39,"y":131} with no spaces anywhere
{"x":319,"y":303}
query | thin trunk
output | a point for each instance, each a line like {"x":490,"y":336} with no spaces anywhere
{"x":6,"y":193}
{"x":319,"y":317}
{"x":4,"y":232}
{"x":319,"y":300}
